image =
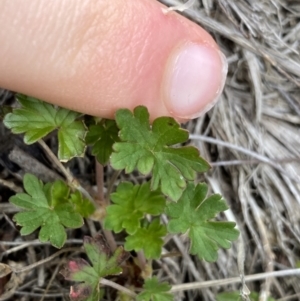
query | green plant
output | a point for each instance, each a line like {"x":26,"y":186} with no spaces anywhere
{"x":49,"y":207}
{"x":104,"y":263}
{"x":37,"y":119}
{"x":129,"y":143}
{"x":155,"y":291}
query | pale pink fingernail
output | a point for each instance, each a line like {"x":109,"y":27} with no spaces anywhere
{"x":194,"y":79}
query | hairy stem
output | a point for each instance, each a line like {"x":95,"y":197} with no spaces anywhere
{"x":142,"y":260}
{"x":112,"y":182}
{"x":103,"y":201}
{"x":118,"y":287}
{"x":70,"y":179}
{"x":100,"y":182}
{"x":50,"y":258}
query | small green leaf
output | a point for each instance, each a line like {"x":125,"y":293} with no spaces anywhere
{"x":81,"y":205}
{"x":68,"y":217}
{"x":54,"y":232}
{"x":235,"y":296}
{"x":30,"y":221}
{"x":192,"y":214}
{"x":131,"y":204}
{"x":102,"y":136}
{"x":79,"y":270}
{"x":229,"y":296}
{"x":37,"y":119}
{"x":58,"y":193}
{"x":149,"y":149}
{"x":147,"y":239}
{"x":155,"y":291}
{"x":104,"y":263}
{"x":46,"y":207}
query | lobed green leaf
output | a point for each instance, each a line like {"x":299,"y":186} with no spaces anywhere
{"x":192,"y":214}
{"x":155,"y":291}
{"x":148,"y":148}
{"x":102,"y":136}
{"x":130,"y":204}
{"x":82,"y":205}
{"x":37,"y":119}
{"x":46,"y":207}
{"x":148,"y":239}
{"x":104,"y":263}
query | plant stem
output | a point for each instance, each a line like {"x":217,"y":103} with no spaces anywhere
{"x":55,"y":160}
{"x":104,"y":202}
{"x":112,"y":182}
{"x":74,"y":183}
{"x":109,"y":238}
{"x":100,"y":182}
{"x":36,"y":264}
{"x":118,"y":287}
{"x":142,"y":260}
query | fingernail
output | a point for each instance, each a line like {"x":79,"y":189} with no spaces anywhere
{"x":194,"y":79}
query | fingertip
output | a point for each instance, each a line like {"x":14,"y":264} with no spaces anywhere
{"x":110,"y":55}
{"x":194,"y":79}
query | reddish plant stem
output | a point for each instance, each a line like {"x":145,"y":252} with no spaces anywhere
{"x":100,"y":183}
{"x":102,"y":201}
{"x":105,"y":201}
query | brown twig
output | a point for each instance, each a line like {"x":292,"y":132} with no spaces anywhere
{"x":43,"y":261}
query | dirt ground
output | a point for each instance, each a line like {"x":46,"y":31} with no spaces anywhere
{"x":252,"y":139}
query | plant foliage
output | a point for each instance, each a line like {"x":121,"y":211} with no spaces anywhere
{"x":102,"y":136}
{"x":149,"y":148}
{"x":81,"y":205}
{"x":236,"y":296}
{"x":192,"y":214}
{"x":149,"y":239}
{"x":155,"y":291}
{"x":130,"y":204}
{"x":47,"y":207}
{"x":129,"y":143}
{"x":104,"y":263}
{"x":37,"y":119}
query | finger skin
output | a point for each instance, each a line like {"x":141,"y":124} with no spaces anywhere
{"x":92,"y":56}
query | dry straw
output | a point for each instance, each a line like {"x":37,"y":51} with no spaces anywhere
{"x":252,"y":136}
